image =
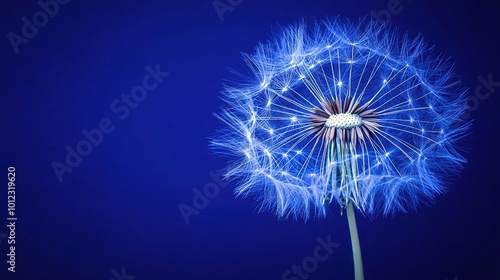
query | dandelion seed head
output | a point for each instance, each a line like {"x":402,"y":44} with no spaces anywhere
{"x":317,"y":126}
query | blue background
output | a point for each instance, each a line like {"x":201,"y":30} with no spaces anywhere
{"x":119,"y":207}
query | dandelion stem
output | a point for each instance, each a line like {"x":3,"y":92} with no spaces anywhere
{"x":356,"y":248}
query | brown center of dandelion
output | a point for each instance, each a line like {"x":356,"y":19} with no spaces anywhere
{"x":345,"y":119}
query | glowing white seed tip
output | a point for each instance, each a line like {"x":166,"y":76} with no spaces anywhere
{"x":344,"y":121}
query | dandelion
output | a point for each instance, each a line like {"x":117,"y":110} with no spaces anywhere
{"x":346,"y":113}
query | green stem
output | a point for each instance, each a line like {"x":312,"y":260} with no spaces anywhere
{"x":356,"y":248}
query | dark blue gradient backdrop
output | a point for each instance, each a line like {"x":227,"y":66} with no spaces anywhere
{"x":92,"y":79}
